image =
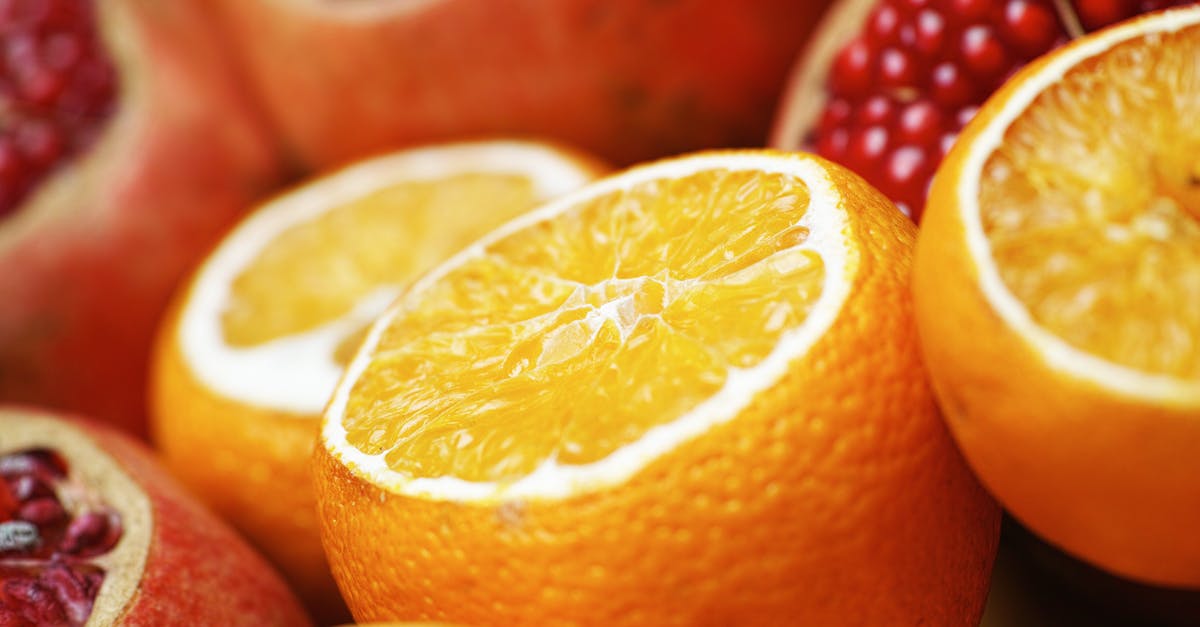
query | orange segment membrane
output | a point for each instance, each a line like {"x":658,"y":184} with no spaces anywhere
{"x":316,"y":271}
{"x":569,"y":339}
{"x":1092,"y":206}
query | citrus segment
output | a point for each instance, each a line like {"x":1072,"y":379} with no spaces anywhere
{"x":257,"y":341}
{"x":1091,"y":205}
{"x":1057,"y":287}
{"x":711,"y":270}
{"x":686,"y":394}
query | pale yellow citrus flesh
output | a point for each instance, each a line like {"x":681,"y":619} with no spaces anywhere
{"x":1092,"y":207}
{"x":318,"y":270}
{"x":550,"y":345}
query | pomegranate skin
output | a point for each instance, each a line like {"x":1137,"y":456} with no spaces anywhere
{"x":197,"y":570}
{"x":88,"y":260}
{"x":626,"y":80}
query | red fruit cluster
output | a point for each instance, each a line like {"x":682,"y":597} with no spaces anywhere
{"x":57,"y":88}
{"x":46,"y":577}
{"x":901,"y":90}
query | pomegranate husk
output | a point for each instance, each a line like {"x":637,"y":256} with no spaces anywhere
{"x":627,"y":80}
{"x":88,"y":261}
{"x":195,"y":570}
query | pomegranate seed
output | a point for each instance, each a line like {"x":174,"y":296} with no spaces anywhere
{"x":833,"y":144}
{"x":1095,"y":14}
{"x":884,"y":24}
{"x":1031,"y":27}
{"x":920,"y":123}
{"x":42,"y":511}
{"x":877,"y":111}
{"x":949,"y":87}
{"x":852,"y":70}
{"x":69,"y":590}
{"x":896,"y":68}
{"x":837,"y":112}
{"x":982,"y":52}
{"x":83,"y":531}
{"x":930,"y":33}
{"x":970,"y":10}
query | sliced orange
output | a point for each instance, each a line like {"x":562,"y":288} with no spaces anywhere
{"x":257,"y":341}
{"x":1058,"y":296}
{"x":687,"y":394}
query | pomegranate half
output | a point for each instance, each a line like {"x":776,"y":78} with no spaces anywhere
{"x":884,"y":86}
{"x":92,"y":531}
{"x":126,"y":147}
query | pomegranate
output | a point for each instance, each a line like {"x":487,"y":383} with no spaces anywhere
{"x":126,"y":146}
{"x":885,"y":86}
{"x":624,"y":79}
{"x":92,"y":531}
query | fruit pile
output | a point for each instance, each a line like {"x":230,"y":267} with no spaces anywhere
{"x":543,"y":313}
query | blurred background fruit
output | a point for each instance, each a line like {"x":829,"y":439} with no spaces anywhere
{"x":1057,"y":286}
{"x":626,"y":80}
{"x":687,"y":393}
{"x":126,"y":147}
{"x":93,"y":531}
{"x":1036,"y":584}
{"x":884,"y":86}
{"x":258,"y":339}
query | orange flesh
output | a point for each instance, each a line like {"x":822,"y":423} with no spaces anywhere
{"x":316,"y":271}
{"x":564,"y":342}
{"x":1092,"y":206}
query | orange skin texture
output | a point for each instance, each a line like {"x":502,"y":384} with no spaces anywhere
{"x":88,"y":262}
{"x":1102,"y":476}
{"x":269,"y":456}
{"x":626,"y":80}
{"x":198,"y":570}
{"x":836,"y":498}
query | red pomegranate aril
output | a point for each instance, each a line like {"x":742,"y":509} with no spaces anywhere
{"x":88,"y":535}
{"x":876,"y":111}
{"x":971,"y":10}
{"x":837,"y":112}
{"x":884,"y":25}
{"x":920,"y":123}
{"x":896,"y":68}
{"x":982,"y":53}
{"x":71,"y":590}
{"x":1031,"y":28}
{"x":907,"y":173}
{"x":930,"y":32}
{"x":1095,"y":14}
{"x":833,"y":144}
{"x":42,"y":511}
{"x":851,"y":75}
{"x":949,"y":86}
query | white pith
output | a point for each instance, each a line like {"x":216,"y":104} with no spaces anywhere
{"x":90,"y":465}
{"x":1161,"y":389}
{"x":828,"y":236}
{"x":297,"y":373}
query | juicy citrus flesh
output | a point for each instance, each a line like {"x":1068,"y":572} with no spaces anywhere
{"x":565,"y":341}
{"x":317,"y":271}
{"x":1091,"y":205}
